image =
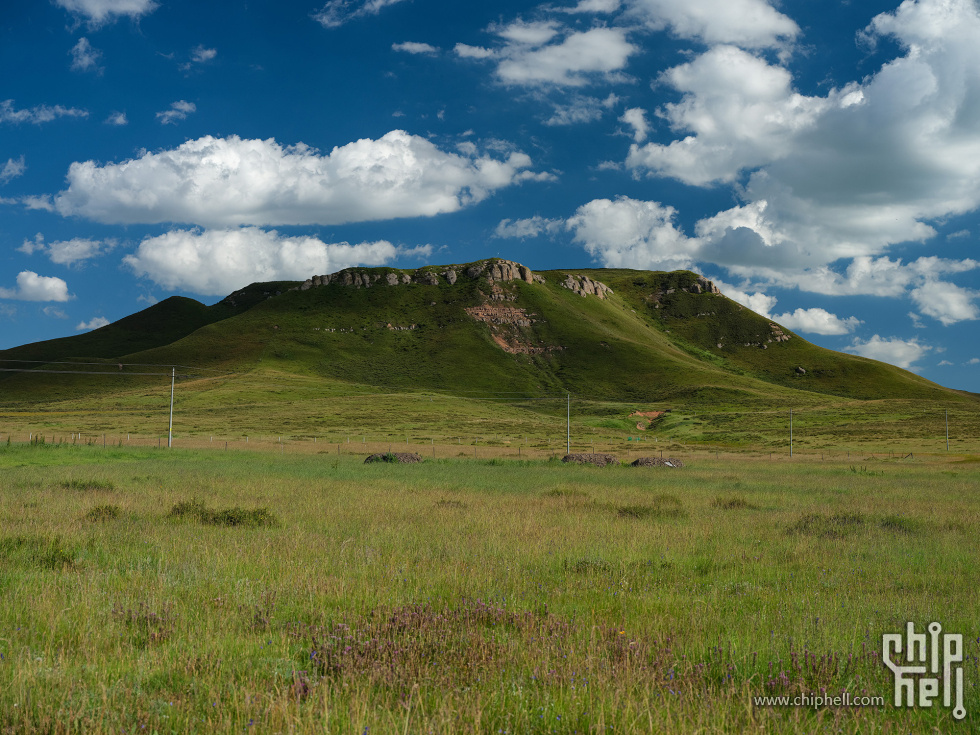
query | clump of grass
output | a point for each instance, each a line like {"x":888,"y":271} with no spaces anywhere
{"x":236,"y":516}
{"x":451,"y":504}
{"x":837,"y":525}
{"x":146,"y":625}
{"x":103,"y":512}
{"x":258,"y":617}
{"x":732,"y":502}
{"x":564,"y":492}
{"x":863,"y":470}
{"x":588,"y":566}
{"x":87,"y":485}
{"x":421,"y":644}
{"x":38,"y":550}
{"x":658,"y":506}
{"x":187,"y":508}
{"x":898,"y":524}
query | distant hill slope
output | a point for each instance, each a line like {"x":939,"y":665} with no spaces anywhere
{"x":155,"y":326}
{"x":491,"y":327}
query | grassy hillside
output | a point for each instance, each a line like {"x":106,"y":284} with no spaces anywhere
{"x":723,"y":332}
{"x":155,"y":326}
{"x":285,"y":350}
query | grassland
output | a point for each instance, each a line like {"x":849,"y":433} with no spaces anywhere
{"x":270,"y":404}
{"x":220,"y":591}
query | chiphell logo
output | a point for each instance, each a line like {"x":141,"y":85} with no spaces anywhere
{"x":932,"y":661}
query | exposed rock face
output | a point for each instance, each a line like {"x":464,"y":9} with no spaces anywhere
{"x":496,"y":271}
{"x":585,"y":286}
{"x":703,"y":285}
{"x":597,"y":460}
{"x":498,"y":314}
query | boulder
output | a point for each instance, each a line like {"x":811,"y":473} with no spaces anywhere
{"x":596,"y":460}
{"x":657,"y":462}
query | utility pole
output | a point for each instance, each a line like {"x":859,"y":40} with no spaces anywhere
{"x":170,"y":432}
{"x":568,"y":424}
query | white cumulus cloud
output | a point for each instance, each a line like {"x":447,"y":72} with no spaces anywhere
{"x":757,"y":301}
{"x":946,"y":302}
{"x":201,"y":54}
{"x":530,"y":227}
{"x":594,"y":6}
{"x":817,"y":321}
{"x":94,"y":323}
{"x":828,"y":184}
{"x":465,"y":51}
{"x":636,"y":118}
{"x":902,"y":353}
{"x":38,"y":114}
{"x":747,"y":23}
{"x":338,"y":12}
{"x":84,"y":57}
{"x":178,"y":111}
{"x":68,"y":252}
{"x":546,"y":53}
{"x":12,"y":169}
{"x":628,"y":233}
{"x":215,"y":262}
{"x":32,"y":287}
{"x":99,"y":12}
{"x":741,"y":112}
{"x":413,"y":47}
{"x":581,"y":109}
{"x":220,"y":182}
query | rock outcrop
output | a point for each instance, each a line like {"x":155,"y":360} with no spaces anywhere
{"x":494,"y":270}
{"x":778,"y":335}
{"x":702,"y":285}
{"x":585,"y":286}
{"x":495,"y":314}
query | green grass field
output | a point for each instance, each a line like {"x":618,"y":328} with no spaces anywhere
{"x":197,"y":590}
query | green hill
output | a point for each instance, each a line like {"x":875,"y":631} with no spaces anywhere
{"x":487,"y":328}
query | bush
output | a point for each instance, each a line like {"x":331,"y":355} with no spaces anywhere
{"x":249,"y":518}
{"x":103,"y":513}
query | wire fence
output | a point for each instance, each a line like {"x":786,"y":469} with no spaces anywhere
{"x":625,"y":449}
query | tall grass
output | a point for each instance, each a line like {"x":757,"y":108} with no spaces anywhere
{"x":193,"y":591}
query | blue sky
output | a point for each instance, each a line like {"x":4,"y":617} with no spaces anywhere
{"x":820,"y":161}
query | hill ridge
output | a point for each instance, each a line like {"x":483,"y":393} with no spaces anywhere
{"x":496,"y":325}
